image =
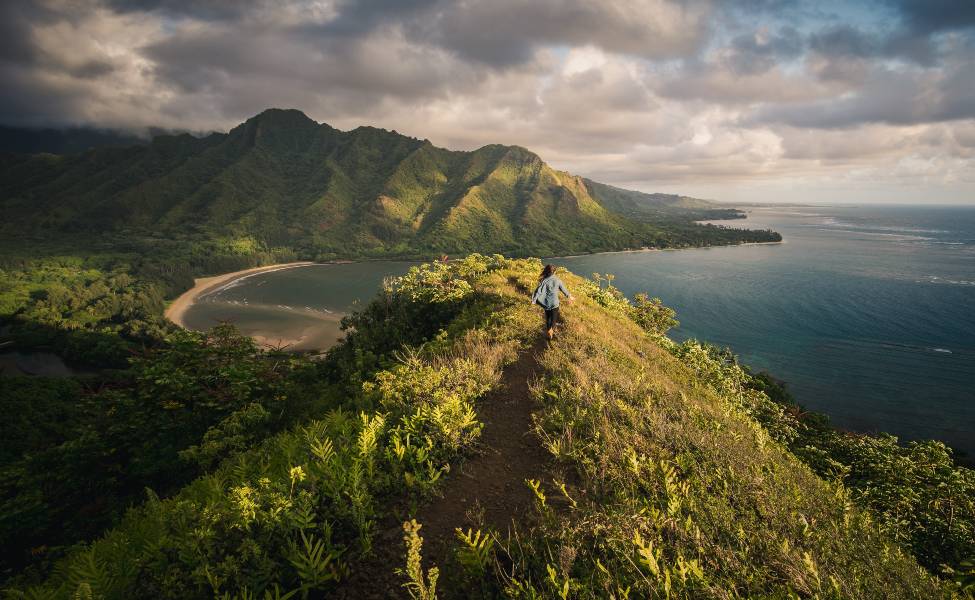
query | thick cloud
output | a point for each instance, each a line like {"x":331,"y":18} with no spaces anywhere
{"x":508,"y":31}
{"x":672,"y":95}
{"x":899,"y":97}
{"x":757,"y":53}
{"x":211,"y":10}
{"x":927,"y":16}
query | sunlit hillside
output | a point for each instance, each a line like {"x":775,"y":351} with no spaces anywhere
{"x":281,"y":180}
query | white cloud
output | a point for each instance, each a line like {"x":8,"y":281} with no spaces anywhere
{"x":652,"y":95}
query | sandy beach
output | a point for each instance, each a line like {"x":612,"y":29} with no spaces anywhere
{"x":204,"y":285}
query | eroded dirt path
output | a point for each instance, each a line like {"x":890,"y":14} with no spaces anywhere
{"x":486,"y":491}
{"x":489,"y":490}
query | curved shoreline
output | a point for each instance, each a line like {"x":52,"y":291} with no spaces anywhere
{"x":204,"y":285}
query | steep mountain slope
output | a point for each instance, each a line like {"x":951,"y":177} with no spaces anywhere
{"x":281,"y":179}
{"x":642,"y":206}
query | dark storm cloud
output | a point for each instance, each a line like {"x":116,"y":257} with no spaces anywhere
{"x":90,"y":69}
{"x":928,"y":16}
{"x":362,"y":16}
{"x":17,"y":44}
{"x":210,"y":10}
{"x":846,"y":41}
{"x":340,"y":55}
{"x":35,"y":104}
{"x":27,"y":98}
{"x":914,"y":37}
{"x":507,"y":31}
{"x":215,"y":60}
{"x":886,"y":97}
{"x":504,"y":33}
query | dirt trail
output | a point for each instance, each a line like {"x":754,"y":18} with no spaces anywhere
{"x":487,"y":490}
{"x":490,"y":487}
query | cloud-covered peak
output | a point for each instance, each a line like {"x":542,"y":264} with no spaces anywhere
{"x":718,"y":99}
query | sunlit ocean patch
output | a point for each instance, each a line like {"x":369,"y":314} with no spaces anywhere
{"x":941,"y":280}
{"x":894,"y":237}
{"x":896,"y":229}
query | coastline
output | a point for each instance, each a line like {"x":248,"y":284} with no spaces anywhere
{"x":205,"y":285}
{"x":648,"y":249}
{"x":202,"y":286}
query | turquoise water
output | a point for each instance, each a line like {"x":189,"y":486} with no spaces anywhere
{"x":867,"y":313}
{"x":299,"y":308}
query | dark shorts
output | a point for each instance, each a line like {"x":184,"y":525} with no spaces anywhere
{"x":551,"y":316}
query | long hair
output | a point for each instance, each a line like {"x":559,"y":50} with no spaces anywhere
{"x":547,"y":272}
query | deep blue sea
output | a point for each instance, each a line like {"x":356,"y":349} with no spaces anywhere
{"x":867,"y":313}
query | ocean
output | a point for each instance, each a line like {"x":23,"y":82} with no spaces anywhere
{"x":867,"y":313}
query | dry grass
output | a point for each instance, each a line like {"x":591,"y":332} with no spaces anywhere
{"x":680,"y":494}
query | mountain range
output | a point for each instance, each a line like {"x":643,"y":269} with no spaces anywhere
{"x":280,"y":179}
{"x":71,"y":140}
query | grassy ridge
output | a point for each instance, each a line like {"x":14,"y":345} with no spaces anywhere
{"x":665,"y":481}
{"x":680,"y":492}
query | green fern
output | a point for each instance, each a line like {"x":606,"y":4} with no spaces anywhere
{"x":476,"y":551}
{"x":315,"y":561}
{"x":964,"y":576}
{"x":83,"y":593}
{"x":90,"y":573}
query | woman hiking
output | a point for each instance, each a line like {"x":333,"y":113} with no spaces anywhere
{"x":547,"y":296}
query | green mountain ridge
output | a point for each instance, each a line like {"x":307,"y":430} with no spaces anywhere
{"x":68,"y":140}
{"x":281,"y":179}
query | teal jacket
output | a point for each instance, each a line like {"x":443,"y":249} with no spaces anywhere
{"x":547,"y":293}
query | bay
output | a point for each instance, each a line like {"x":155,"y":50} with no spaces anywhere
{"x":867,"y":313}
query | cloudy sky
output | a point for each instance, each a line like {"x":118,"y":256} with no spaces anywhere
{"x":738,"y":100}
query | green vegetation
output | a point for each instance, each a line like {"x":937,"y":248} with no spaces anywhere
{"x":674,"y":471}
{"x":98,"y":307}
{"x":82,"y":308}
{"x":657,"y":207}
{"x":94,"y":242}
{"x":102,"y":440}
{"x":280,"y":180}
{"x":192,"y":465}
{"x":916,"y":492}
{"x":294,"y":508}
